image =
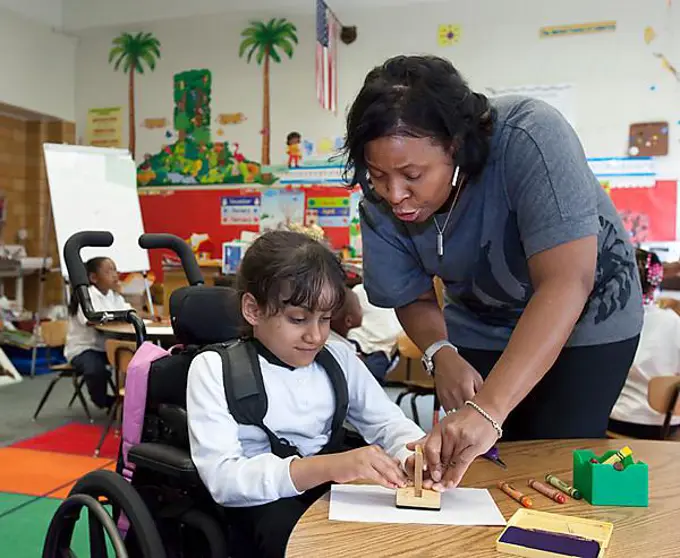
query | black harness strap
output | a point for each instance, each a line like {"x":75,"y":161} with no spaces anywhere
{"x":247,"y":399}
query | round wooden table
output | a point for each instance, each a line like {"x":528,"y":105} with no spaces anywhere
{"x":651,"y":531}
{"x":126,"y":332}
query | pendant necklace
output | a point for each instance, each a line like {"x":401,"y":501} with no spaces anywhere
{"x":440,"y":231}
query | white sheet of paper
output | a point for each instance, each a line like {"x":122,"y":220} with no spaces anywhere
{"x":375,"y":504}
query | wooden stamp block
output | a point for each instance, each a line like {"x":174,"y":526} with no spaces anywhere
{"x":416,"y":496}
{"x":430,"y":499}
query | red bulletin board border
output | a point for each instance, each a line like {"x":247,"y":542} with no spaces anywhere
{"x":184,"y":212}
{"x":649,"y":214}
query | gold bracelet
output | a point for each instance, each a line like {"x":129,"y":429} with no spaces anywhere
{"x":487,"y":416}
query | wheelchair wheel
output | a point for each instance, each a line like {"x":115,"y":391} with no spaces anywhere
{"x":213,"y":536}
{"x":60,"y":531}
{"x":141,"y":538}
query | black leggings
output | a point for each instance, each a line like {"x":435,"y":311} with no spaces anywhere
{"x":576,"y":396}
{"x":263,"y":531}
{"x":93,"y":365}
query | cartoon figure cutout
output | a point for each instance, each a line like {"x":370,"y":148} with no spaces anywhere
{"x":294,"y":150}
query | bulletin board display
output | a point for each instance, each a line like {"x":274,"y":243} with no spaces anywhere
{"x":223,"y":214}
{"x":649,"y":214}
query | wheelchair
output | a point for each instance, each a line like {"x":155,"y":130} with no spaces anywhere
{"x":164,"y":510}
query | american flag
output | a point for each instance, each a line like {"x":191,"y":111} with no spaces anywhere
{"x":326,"y":57}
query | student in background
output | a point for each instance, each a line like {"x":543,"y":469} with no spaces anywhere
{"x":347,"y":327}
{"x":290,"y":285}
{"x":379,"y":329}
{"x":84,"y":344}
{"x":657,"y":355}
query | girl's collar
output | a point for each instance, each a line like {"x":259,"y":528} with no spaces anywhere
{"x":270,"y":357}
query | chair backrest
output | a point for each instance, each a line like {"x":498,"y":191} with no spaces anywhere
{"x":660,"y":394}
{"x":156,"y":378}
{"x":53,"y":332}
{"x":119,"y":354}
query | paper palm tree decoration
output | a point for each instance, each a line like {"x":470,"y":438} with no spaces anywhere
{"x":132,"y":53}
{"x":264,"y":41}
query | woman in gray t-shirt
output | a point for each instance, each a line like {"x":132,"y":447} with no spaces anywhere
{"x":496,"y":198}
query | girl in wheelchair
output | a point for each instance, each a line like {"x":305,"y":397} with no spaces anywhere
{"x":290,"y":286}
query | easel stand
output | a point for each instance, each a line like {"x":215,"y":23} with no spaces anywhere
{"x":36,"y":338}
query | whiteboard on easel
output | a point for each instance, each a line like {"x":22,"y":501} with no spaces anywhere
{"x":95,"y":189}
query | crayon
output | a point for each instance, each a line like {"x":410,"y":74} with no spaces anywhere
{"x":547,"y":491}
{"x":515,"y":494}
{"x":563,"y":486}
{"x":618,"y":466}
{"x":618,"y":456}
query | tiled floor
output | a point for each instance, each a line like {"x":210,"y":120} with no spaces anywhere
{"x":34,"y":482}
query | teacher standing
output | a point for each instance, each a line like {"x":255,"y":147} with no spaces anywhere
{"x":495,"y":197}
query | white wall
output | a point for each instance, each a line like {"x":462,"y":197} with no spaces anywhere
{"x":613,"y":72}
{"x":48,"y":12}
{"x":37,"y":67}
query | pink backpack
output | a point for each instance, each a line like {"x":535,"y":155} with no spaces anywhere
{"x":134,"y":404}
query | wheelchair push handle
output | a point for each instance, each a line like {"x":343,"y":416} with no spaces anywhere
{"x":80,"y":281}
{"x":153,"y":241}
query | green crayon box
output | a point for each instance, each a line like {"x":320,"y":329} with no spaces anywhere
{"x":603,"y":485}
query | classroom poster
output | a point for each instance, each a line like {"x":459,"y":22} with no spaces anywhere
{"x":560,"y":96}
{"x":328,"y":211}
{"x":240,"y":210}
{"x":354,"y":222}
{"x":648,"y":213}
{"x":281,"y":207}
{"x":104,"y":127}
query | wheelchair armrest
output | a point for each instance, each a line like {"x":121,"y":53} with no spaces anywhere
{"x":164,"y":459}
{"x":175,"y":420}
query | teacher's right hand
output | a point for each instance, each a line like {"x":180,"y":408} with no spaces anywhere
{"x":455,"y":379}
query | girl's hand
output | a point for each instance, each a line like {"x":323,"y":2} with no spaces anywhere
{"x":455,"y":379}
{"x":454,"y":443}
{"x":370,"y":463}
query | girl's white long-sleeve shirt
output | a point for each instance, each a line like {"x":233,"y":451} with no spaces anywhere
{"x":235,"y":461}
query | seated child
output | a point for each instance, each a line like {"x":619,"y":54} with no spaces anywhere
{"x":84,"y":344}
{"x":658,"y":354}
{"x":290,"y":285}
{"x":345,"y":324}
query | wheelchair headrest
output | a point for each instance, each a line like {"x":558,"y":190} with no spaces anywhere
{"x":203,"y":315}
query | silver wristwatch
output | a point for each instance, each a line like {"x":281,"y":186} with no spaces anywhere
{"x":428,"y":355}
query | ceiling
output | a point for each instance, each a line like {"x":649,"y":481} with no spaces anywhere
{"x":74,"y":15}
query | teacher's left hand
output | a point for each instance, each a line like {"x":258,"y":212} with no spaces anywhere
{"x":454,"y":443}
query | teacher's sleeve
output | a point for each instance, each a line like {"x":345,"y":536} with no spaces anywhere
{"x":549,"y":184}
{"x":393,"y":274}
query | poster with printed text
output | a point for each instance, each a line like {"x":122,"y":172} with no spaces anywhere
{"x":328,"y":211}
{"x":240,"y":210}
{"x":560,"y":96}
{"x":279,"y":208}
{"x":104,"y":127}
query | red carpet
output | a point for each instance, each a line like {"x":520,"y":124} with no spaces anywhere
{"x":75,"y":439}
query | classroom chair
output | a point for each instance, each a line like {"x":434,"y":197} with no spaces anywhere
{"x":119,"y":354}
{"x":663,"y":396}
{"x":53,"y":335}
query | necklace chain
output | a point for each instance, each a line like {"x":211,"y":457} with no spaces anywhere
{"x":440,"y":231}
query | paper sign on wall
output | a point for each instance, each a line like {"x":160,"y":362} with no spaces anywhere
{"x":560,"y":96}
{"x":328,"y":211}
{"x":280,"y":208}
{"x":240,"y":210}
{"x":576,"y":29}
{"x":104,"y":127}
